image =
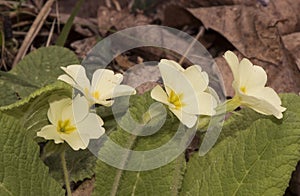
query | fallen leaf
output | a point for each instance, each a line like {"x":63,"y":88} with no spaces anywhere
{"x":254,"y":30}
{"x":171,"y":18}
{"x":141,"y":74}
{"x":292,"y":44}
{"x":86,"y":188}
{"x":226,"y":74}
{"x":82,"y":47}
{"x":209,"y":3}
{"x":108,"y":18}
{"x":124,"y":62}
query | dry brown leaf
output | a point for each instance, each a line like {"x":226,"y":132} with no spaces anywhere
{"x":124,"y":62}
{"x":285,"y":78}
{"x":108,"y":18}
{"x":254,"y":30}
{"x":86,"y":188}
{"x":292,"y":44}
{"x":209,"y":3}
{"x":141,"y":74}
{"x":226,"y":74}
{"x":80,"y":24}
{"x":82,"y":47}
{"x":171,"y":18}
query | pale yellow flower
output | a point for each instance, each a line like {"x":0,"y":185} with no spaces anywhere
{"x":72,"y":122}
{"x":104,"y":87}
{"x":185,"y":92}
{"x":249,"y":85}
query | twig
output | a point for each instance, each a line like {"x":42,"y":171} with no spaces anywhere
{"x":108,"y":3}
{"x":20,"y":24}
{"x":200,"y":33}
{"x":21,"y":33}
{"x":33,"y":31}
{"x":117,"y":5}
{"x":57,"y":16}
{"x":51,"y":33}
{"x":3,"y":51}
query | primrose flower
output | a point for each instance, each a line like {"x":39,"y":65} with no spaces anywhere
{"x":185,"y":92}
{"x":105,"y":84}
{"x":72,"y":122}
{"x":249,"y":85}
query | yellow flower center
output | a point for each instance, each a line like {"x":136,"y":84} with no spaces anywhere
{"x":175,"y":99}
{"x":243,"y":89}
{"x":96,"y":94}
{"x":65,"y":126}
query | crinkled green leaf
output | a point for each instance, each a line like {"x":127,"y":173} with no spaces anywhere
{"x":32,"y":110}
{"x":39,"y":68}
{"x":165,"y":180}
{"x":7,"y":95}
{"x":257,"y":160}
{"x":21,"y":170}
{"x":79,"y":163}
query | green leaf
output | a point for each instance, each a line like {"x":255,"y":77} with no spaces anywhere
{"x":32,"y":110}
{"x":165,"y":180}
{"x":80,"y":164}
{"x":61,"y":40}
{"x":257,"y":160}
{"x":39,"y":68}
{"x":7,"y":95}
{"x":21,"y":170}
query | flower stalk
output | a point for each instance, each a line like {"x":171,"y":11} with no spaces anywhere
{"x":66,"y":173}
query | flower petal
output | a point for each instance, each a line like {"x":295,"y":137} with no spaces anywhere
{"x":67,"y":79}
{"x":208,"y":103}
{"x":159,"y":95}
{"x":123,"y":90}
{"x":176,"y":81}
{"x":214,"y":94}
{"x":77,"y":73}
{"x":271,"y":96}
{"x":80,"y":108}
{"x":263,"y":106}
{"x":56,"y":109}
{"x":105,"y":80}
{"x":197,"y":78}
{"x":172,"y":77}
{"x":106,"y":103}
{"x":188,"y":120}
{"x":49,"y":132}
{"x":251,"y":76}
{"x":233,"y":63}
{"x":75,"y":140}
{"x":172,"y":63}
{"x":91,"y":126}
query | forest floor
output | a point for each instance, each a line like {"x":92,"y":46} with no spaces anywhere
{"x":265,"y":31}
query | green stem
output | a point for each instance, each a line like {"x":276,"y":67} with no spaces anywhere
{"x":66,"y":173}
{"x":228,"y":106}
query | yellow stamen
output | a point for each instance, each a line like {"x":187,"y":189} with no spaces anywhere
{"x":96,"y":94}
{"x":243,"y":89}
{"x":65,"y":126}
{"x":175,"y":99}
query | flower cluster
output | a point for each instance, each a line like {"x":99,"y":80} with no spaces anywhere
{"x":71,"y":120}
{"x":185,"y":92}
{"x":249,"y":85}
